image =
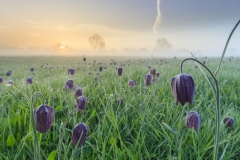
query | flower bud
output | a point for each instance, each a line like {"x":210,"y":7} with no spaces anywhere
{"x":32,"y":69}
{"x":79,"y":134}
{"x":119,"y":69}
{"x":193,"y":120}
{"x":81,"y":103}
{"x":183,"y":88}
{"x":147,"y":79}
{"x":43,"y":118}
{"x":228,"y":121}
{"x":119,"y":101}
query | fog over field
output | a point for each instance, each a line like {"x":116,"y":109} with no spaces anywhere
{"x":127,"y":28}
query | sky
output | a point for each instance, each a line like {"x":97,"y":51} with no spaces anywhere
{"x":131,"y":27}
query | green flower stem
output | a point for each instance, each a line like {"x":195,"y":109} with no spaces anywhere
{"x":35,"y":144}
{"x":217,"y":96}
{"x":225,"y":48}
{"x":61,"y":132}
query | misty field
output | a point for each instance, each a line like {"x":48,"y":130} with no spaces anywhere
{"x":140,"y":122}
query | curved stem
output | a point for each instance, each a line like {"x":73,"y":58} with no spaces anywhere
{"x":217,"y":96}
{"x":36,"y":146}
{"x":225,"y":48}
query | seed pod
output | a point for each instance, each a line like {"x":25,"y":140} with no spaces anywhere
{"x":79,"y":134}
{"x":69,"y":84}
{"x":29,"y":80}
{"x":1,"y":80}
{"x":119,"y":69}
{"x":147,"y":79}
{"x":81,"y":103}
{"x":100,"y":69}
{"x":157,"y":74}
{"x":193,"y":120}
{"x":32,"y":69}
{"x":152,"y":72}
{"x":183,"y":88}
{"x":131,"y":83}
{"x":78,"y":92}
{"x":228,"y":121}
{"x":43,"y":118}
{"x":71,"y":71}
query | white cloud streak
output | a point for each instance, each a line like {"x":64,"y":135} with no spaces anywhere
{"x":158,"y":19}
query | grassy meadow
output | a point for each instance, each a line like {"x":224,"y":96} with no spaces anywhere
{"x":147,"y":124}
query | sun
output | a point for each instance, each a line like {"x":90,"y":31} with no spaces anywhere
{"x":62,"y":47}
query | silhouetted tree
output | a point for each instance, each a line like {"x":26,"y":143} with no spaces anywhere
{"x":163,"y":43}
{"x":97,"y":42}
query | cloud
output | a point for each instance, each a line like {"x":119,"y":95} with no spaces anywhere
{"x":158,"y":19}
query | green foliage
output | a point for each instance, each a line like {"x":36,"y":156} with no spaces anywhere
{"x":146,"y":125}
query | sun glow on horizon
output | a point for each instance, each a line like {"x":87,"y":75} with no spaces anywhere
{"x":62,"y":47}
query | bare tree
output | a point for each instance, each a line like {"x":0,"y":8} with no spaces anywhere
{"x":163,"y":43}
{"x":97,"y":42}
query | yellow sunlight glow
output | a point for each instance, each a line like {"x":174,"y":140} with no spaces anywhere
{"x":61,"y":47}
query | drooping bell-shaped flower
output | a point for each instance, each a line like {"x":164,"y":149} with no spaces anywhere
{"x":31,"y":69}
{"x":69,"y":84}
{"x":1,"y":80}
{"x":8,"y":73}
{"x":81,"y":103}
{"x":100,"y":69}
{"x":131,"y":83}
{"x":78,"y":92}
{"x":147,"y":79}
{"x":228,"y":121}
{"x":193,"y":120}
{"x":79,"y":134}
{"x":10,"y":82}
{"x":71,"y":71}
{"x":29,"y":80}
{"x":119,"y":69}
{"x":43,"y":118}
{"x":183,"y":88}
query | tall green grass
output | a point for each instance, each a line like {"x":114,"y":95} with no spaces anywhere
{"x":147,"y":125}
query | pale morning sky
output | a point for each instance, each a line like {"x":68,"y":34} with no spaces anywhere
{"x":61,"y":27}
